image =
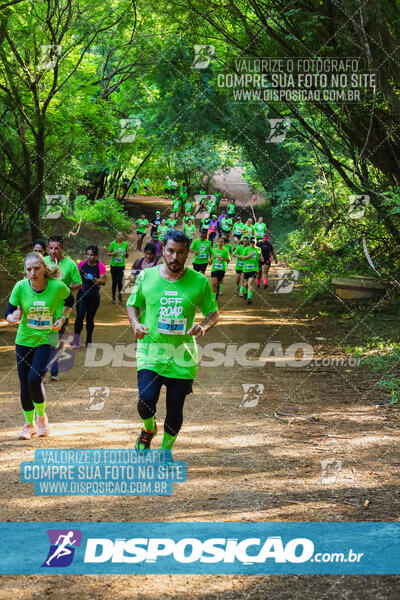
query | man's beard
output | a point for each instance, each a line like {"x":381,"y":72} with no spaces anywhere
{"x":176,"y":267}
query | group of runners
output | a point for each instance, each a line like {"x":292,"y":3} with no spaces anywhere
{"x":251,"y":246}
{"x":161,"y":307}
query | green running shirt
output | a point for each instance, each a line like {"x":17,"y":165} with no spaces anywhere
{"x":219,"y":264}
{"x":239,"y":261}
{"x":141,"y":225}
{"x":251,"y":264}
{"x":119,"y":259}
{"x":39,"y":312}
{"x":203,"y":249}
{"x":169,"y":309}
{"x":259,"y":229}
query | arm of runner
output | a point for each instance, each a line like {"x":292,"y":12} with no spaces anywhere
{"x":139,"y":329}
{"x":135,"y":301}
{"x":209,"y":308}
{"x":103,"y":276}
{"x":63,"y":317}
{"x":13,"y":313}
{"x":134,"y":271}
{"x":68,"y":304}
{"x":76,"y":278}
{"x":200,"y":328}
{"x":101,"y":280}
{"x":111,"y":252}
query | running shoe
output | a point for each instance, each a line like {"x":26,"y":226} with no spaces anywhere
{"x":249,"y":301}
{"x":28,"y":431}
{"x":265,"y":286}
{"x":113,"y":300}
{"x":43,"y":426}
{"x":144,"y":440}
{"x":120,"y":298}
{"x":54,"y":378}
{"x":75,"y":345}
{"x":258,"y":285}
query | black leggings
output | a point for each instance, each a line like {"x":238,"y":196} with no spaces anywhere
{"x":149,"y":384}
{"x":32,"y":366}
{"x":56,"y":351}
{"x":86,"y":305}
{"x":117,"y":274}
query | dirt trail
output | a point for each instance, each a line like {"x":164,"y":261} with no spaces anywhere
{"x":244,"y":463}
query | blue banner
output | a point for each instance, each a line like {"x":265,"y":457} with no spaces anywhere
{"x":200,"y":548}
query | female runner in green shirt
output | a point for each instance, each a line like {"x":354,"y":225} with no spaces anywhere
{"x":33,"y":305}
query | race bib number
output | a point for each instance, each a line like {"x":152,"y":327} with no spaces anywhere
{"x":171,"y":326}
{"x":218,"y":266}
{"x":202,"y":255}
{"x":120,"y":256}
{"x":240,"y":263}
{"x":39,"y":317}
{"x":251,"y":267}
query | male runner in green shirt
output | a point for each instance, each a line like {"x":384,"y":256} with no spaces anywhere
{"x":171,"y":221}
{"x":141,"y":228}
{"x":176,"y":205}
{"x":251,"y":257}
{"x":70,"y":276}
{"x":201,"y":248}
{"x":231,"y":210}
{"x":259,"y":229}
{"x":237,"y":230}
{"x":248,"y":229}
{"x":226,"y":225}
{"x":146,"y":184}
{"x":189,"y":206}
{"x":219,"y":258}
{"x":168,"y":296}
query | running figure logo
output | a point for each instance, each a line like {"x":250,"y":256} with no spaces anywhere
{"x":358,"y":204}
{"x":251,"y":394}
{"x":127,"y":286}
{"x":63,"y":354}
{"x":202,"y":56}
{"x":98,"y":397}
{"x":62,"y":547}
{"x":129,"y":128}
{"x":287,"y":279}
{"x":279,"y":128}
{"x":330,"y":468}
{"x":54,"y":206}
{"x":50,"y":55}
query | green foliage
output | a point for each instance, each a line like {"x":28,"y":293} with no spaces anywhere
{"x":382,"y":356}
{"x":107,"y":213}
{"x":11,"y":259}
{"x":391,"y":385}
